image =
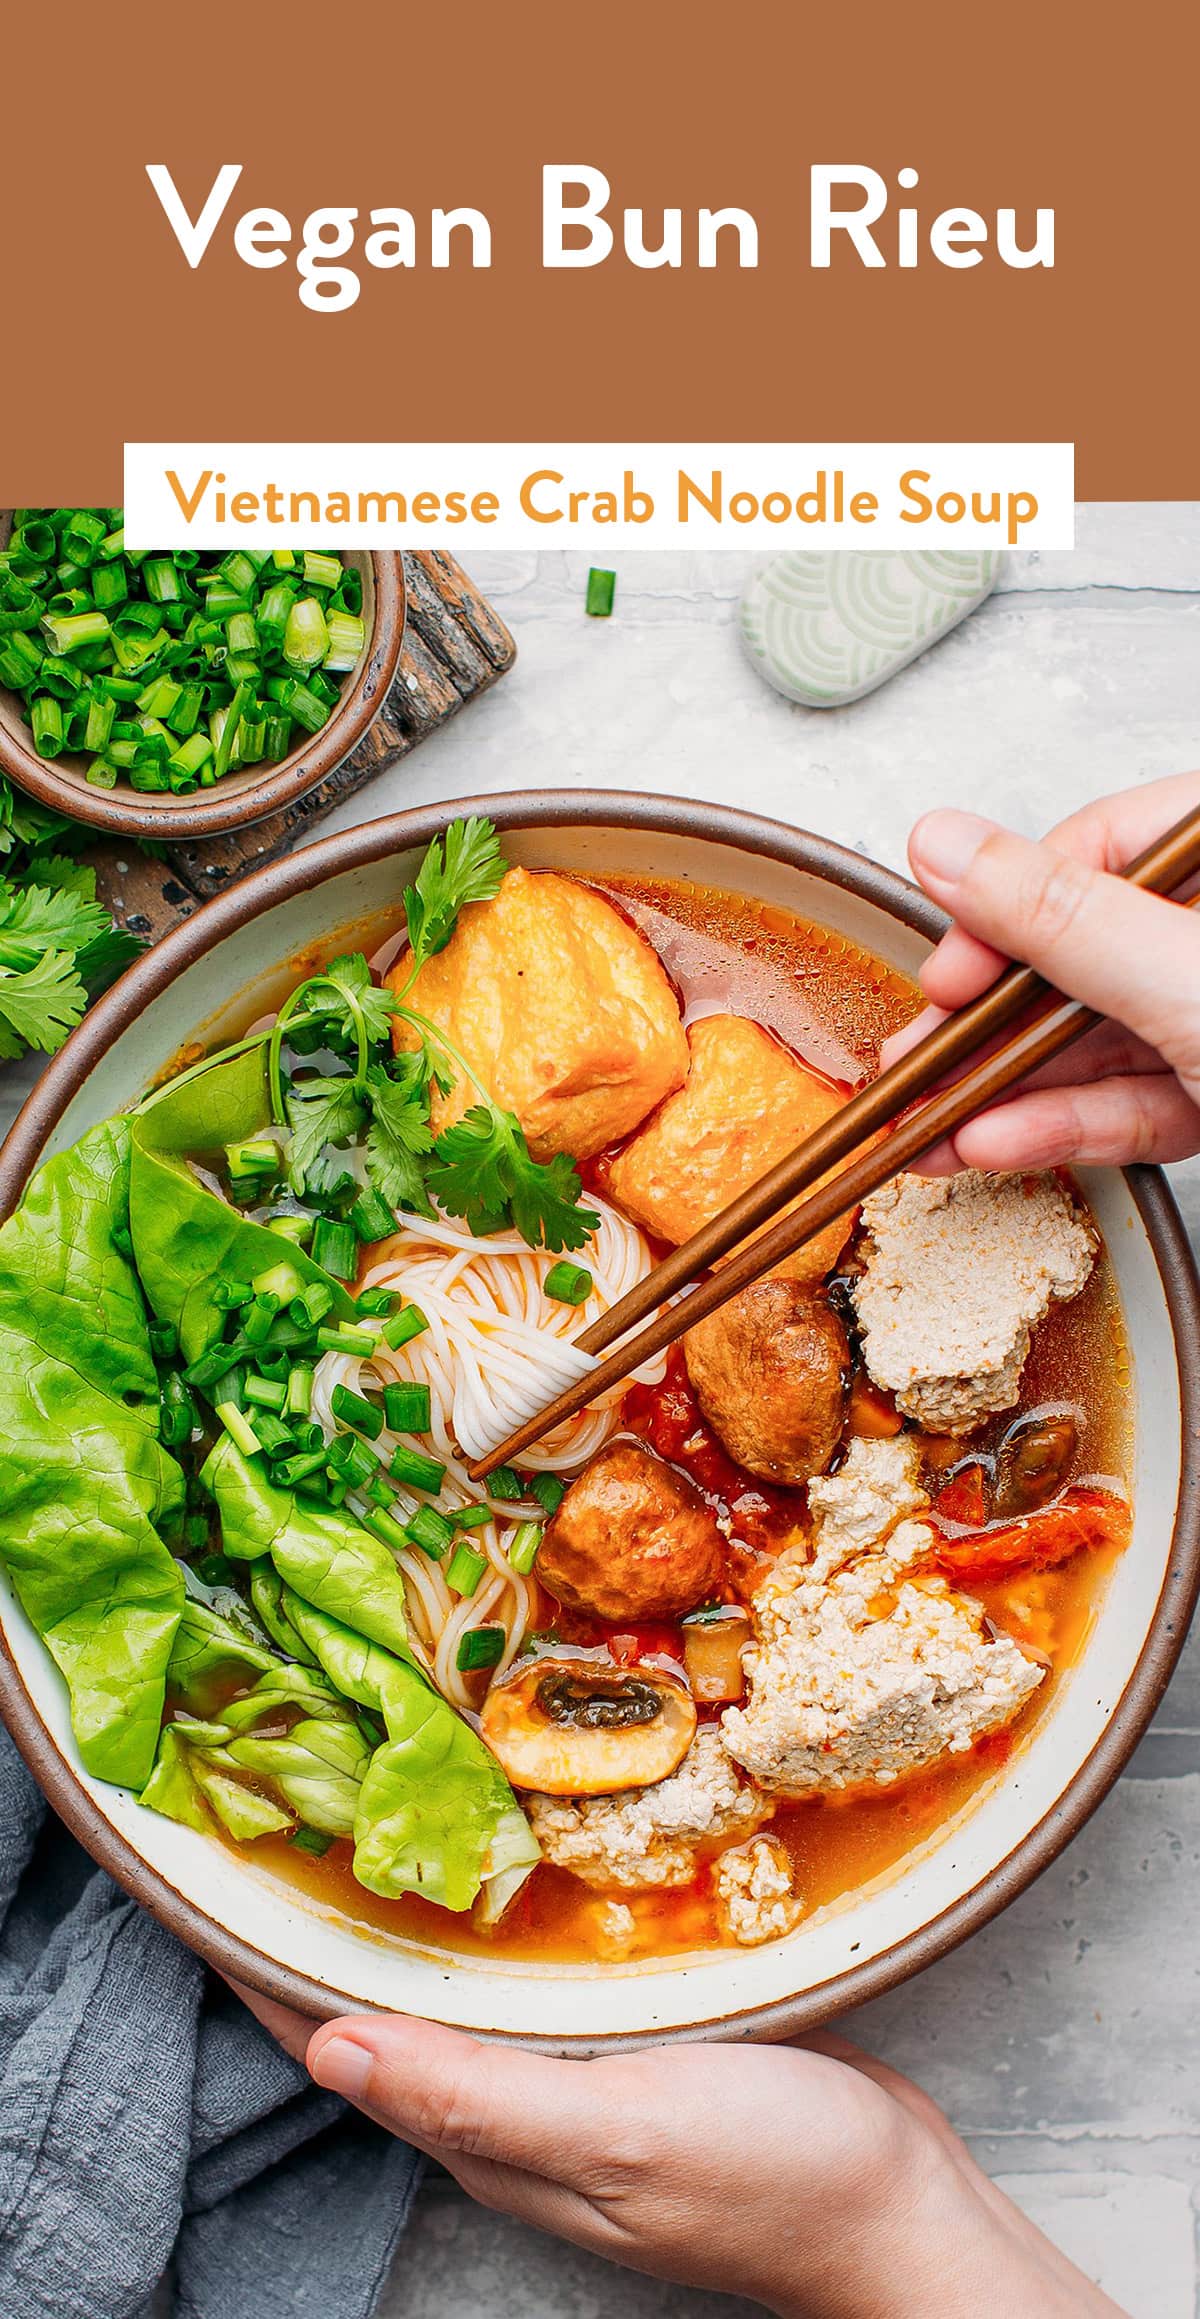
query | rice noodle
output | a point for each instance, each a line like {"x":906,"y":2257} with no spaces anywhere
{"x":496,"y":1349}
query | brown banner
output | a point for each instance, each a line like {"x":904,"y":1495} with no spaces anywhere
{"x":109,"y":335}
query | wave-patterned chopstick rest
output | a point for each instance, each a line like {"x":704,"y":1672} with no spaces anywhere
{"x":826,"y":627}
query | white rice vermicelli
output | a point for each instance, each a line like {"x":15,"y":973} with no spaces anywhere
{"x":496,"y":1349}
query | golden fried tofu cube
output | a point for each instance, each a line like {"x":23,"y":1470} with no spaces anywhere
{"x":562,"y":1008}
{"x":746,"y":1103}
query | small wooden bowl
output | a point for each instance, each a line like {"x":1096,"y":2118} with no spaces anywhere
{"x":243,"y":797}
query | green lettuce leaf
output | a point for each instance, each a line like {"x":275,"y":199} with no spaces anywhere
{"x":318,"y":1768}
{"x":186,"y":1786}
{"x":324,"y":1555}
{"x":212,"y":1104}
{"x":209,"y":1652}
{"x":171,"y":1788}
{"x":187,"y":1242}
{"x":85,"y":1486}
{"x":435,"y":1812}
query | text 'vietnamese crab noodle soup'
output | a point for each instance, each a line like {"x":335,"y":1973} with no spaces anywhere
{"x":731,"y":1642}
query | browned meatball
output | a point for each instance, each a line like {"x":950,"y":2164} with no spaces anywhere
{"x":769,"y":1370}
{"x":632,"y":1539}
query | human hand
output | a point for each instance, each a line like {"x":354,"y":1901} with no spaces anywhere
{"x":1130,"y":1090}
{"x":812,"y":2178}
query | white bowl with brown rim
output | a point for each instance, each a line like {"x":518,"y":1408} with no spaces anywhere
{"x":235,"y":958}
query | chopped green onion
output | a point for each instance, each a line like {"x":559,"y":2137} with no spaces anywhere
{"x":238,"y":1428}
{"x":502,"y":1482}
{"x":346,"y":1339}
{"x":297,"y":1229}
{"x":601,"y":589}
{"x":176,"y":1413}
{"x":523,"y":1547}
{"x":385,"y":1527}
{"x":480,"y":1647}
{"x":351,"y":1460}
{"x":306,"y":637}
{"x":407,"y":1407}
{"x":313,"y":1840}
{"x":257,"y":1323}
{"x":430,"y":1531}
{"x":568,"y":1283}
{"x":354,"y":1410}
{"x":407,"y":1324}
{"x":548,"y":1490}
{"x":417,"y":1471}
{"x":264,"y":1393}
{"x":311,"y":1304}
{"x":282,"y":1281}
{"x":464,"y":1570}
{"x":468,"y":1517}
{"x":298,"y":1398}
{"x":374,"y":1303}
{"x":299,"y":1468}
{"x":370,"y":1217}
{"x":209,"y":644}
{"x":260,"y":1158}
{"x":335,"y":1248}
{"x":377,"y":1492}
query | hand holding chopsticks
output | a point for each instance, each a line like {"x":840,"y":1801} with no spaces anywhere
{"x":1052,"y":1024}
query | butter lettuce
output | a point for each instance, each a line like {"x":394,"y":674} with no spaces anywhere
{"x":435,"y":1812}
{"x":209,"y":1653}
{"x":325,"y":1556}
{"x":187,"y":1242}
{"x":85,"y":1486}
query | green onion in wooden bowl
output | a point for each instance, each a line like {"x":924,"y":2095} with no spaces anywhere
{"x":183,"y":693}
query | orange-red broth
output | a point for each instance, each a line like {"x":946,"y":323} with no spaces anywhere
{"x":832,"y":1003}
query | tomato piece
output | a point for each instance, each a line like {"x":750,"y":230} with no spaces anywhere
{"x":963,"y":1498}
{"x":1081,"y":1521}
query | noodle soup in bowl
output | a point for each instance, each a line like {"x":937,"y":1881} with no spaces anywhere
{"x":800,"y":1865}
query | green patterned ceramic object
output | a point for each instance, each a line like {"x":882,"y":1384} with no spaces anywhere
{"x":825,"y":628}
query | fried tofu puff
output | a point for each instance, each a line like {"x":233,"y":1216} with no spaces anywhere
{"x":562,"y":1008}
{"x":746,"y":1103}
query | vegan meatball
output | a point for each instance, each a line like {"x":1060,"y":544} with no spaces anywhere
{"x":632,"y":1539}
{"x":769,"y":1370}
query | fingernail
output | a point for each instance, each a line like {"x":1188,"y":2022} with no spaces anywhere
{"x":946,"y":843}
{"x":342,"y":2067}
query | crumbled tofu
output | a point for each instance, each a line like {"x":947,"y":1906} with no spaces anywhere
{"x":651,"y":1836}
{"x":958,"y":1271}
{"x":746,"y":1104}
{"x":614,"y":1928}
{"x":867,"y":1664}
{"x":753,"y":1888}
{"x":560,"y":1006}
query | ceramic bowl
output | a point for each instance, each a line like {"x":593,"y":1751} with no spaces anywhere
{"x":239,"y":952}
{"x":240,"y":798}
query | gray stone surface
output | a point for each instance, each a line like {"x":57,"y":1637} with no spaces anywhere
{"x":1064,"y":2040}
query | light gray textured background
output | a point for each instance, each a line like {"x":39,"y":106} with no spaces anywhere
{"x":1064,"y":2041}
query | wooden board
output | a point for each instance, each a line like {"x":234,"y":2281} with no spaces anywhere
{"x":455,"y":647}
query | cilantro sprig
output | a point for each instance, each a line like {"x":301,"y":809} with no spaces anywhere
{"x":481,"y":1168}
{"x":58,"y":945}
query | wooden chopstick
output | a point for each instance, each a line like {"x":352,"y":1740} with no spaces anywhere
{"x":1055,"y":1024}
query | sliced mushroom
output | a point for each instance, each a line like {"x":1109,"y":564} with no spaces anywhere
{"x":575,"y":1724}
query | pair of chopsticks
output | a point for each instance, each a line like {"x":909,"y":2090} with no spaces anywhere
{"x":886,"y":1102}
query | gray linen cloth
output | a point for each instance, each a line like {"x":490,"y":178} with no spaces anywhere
{"x":148,"y":2125}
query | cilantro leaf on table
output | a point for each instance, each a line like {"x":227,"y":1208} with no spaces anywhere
{"x":35,"y":919}
{"x":41,"y":1004}
{"x":58,"y":945}
{"x":400,"y":1135}
{"x":466,"y":866}
{"x":482,"y":1169}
